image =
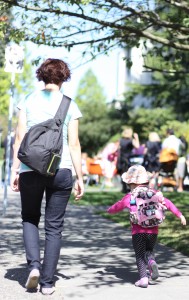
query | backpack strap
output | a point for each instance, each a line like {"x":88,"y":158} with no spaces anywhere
{"x":63,"y":108}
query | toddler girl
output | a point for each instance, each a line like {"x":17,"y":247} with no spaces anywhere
{"x":143,"y":239}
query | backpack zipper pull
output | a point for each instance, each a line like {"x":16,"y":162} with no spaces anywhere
{"x":132,"y":202}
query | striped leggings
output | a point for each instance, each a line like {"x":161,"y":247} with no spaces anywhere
{"x":143,"y":244}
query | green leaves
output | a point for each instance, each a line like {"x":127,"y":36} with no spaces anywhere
{"x":94,"y":131}
{"x":112,"y":22}
{"x":186,"y":22}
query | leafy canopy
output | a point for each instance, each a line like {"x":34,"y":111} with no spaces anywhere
{"x":100,"y":24}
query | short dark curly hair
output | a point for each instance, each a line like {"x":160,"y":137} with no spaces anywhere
{"x":53,"y":71}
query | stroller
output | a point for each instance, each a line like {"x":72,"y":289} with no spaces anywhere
{"x":168,"y":161}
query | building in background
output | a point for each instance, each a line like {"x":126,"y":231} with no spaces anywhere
{"x":126,"y":76}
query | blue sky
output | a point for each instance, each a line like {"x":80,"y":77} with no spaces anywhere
{"x":104,"y":67}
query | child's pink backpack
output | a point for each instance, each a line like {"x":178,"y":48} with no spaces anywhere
{"x":148,"y":207}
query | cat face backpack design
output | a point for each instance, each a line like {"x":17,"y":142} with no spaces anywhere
{"x":148,"y":209}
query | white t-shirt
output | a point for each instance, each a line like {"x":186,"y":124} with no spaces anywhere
{"x":42,"y":105}
{"x":172,"y":142}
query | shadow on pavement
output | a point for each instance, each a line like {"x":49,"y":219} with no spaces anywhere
{"x":95,"y":252}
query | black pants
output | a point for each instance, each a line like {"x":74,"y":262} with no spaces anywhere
{"x":143,"y":244}
{"x":57,"y":190}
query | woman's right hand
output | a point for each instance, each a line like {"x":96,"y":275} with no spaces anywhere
{"x":14,"y":181}
{"x":78,"y":189}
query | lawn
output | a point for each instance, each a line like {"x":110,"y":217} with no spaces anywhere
{"x":171,"y":232}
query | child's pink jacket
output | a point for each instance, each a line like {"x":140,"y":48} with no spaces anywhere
{"x":125,"y":203}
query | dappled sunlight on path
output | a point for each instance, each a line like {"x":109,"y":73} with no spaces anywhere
{"x":96,"y":260}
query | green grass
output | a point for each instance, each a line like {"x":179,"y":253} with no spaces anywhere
{"x":171,"y":232}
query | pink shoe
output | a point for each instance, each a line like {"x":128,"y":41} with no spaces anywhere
{"x":143,"y":282}
{"x":153,"y":267}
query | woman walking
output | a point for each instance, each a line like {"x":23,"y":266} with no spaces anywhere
{"x":35,"y":108}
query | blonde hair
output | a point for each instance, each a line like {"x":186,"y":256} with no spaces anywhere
{"x":127,"y":133}
{"x":154,"y":137}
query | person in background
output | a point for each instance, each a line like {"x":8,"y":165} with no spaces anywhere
{"x":172,"y":142}
{"x":151,"y":156}
{"x":35,"y":108}
{"x":137,"y":156}
{"x":181,"y":164}
{"x":143,"y":239}
{"x":128,"y":142}
{"x":109,"y":159}
{"x":186,"y":176}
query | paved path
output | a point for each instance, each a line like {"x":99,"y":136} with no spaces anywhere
{"x":96,"y":262}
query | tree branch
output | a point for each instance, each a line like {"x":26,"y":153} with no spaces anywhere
{"x":155,"y":21}
{"x":181,"y":4}
{"x":121,"y":27}
{"x":164,"y":41}
{"x":71,"y":44}
{"x":153,"y":69}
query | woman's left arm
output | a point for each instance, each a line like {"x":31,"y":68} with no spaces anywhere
{"x":75,"y":151}
{"x":20,"y":132}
